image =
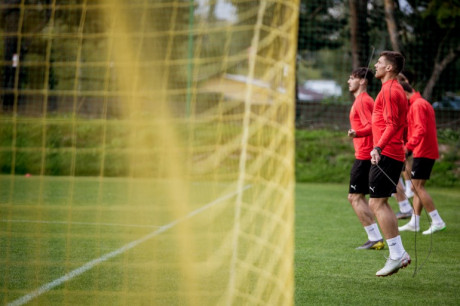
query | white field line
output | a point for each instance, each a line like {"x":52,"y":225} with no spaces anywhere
{"x":91,"y":264}
{"x":79,"y":223}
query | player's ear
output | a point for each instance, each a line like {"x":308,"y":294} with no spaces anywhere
{"x":388,"y":67}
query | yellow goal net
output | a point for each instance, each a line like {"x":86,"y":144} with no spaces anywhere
{"x":147,"y":152}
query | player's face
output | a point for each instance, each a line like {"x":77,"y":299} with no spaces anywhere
{"x":353,"y":83}
{"x":381,"y":67}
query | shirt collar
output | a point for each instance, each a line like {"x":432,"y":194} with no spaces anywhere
{"x":414,"y":97}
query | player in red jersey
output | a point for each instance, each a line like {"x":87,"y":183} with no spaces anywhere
{"x":389,"y":119}
{"x":361,"y":132}
{"x":422,"y":143}
{"x":404,"y":190}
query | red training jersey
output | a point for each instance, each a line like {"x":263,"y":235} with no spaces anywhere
{"x":422,"y":138}
{"x":361,"y":122}
{"x":389,"y":119}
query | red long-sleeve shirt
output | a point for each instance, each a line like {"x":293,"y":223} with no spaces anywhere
{"x":389,"y":119}
{"x":361,"y":122}
{"x":422,"y":138}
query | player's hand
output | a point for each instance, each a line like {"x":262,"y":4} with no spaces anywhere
{"x":375,"y":155}
{"x":407,"y":152}
{"x":351,"y":133}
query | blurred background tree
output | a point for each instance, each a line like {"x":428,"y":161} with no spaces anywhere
{"x":335,"y":36}
{"x":426,"y":32}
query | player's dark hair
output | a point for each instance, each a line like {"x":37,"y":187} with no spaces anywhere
{"x":363,"y":72}
{"x":406,"y":87}
{"x":396,"y":59}
{"x":409,"y":76}
{"x":402,"y":78}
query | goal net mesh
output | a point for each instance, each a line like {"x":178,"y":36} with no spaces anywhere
{"x":147,"y":152}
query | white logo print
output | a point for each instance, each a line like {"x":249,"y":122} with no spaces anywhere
{"x":372,"y":188}
{"x":412,"y":172}
{"x":354,"y":187}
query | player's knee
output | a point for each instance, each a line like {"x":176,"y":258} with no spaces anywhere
{"x":354,"y":198}
{"x":417,"y":184}
{"x":350,"y":198}
{"x":374,"y":204}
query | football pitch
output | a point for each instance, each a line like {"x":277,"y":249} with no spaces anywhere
{"x":76,"y":241}
{"x":88,"y":241}
{"x":329,"y":271}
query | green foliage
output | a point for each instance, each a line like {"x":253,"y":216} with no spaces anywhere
{"x":446,"y":171}
{"x":323,"y":156}
{"x":306,"y":71}
{"x":446,"y":13}
{"x":97,"y":147}
{"x":449,"y":136}
{"x":62,"y":147}
{"x":320,"y":25}
{"x":326,"y":64}
{"x":326,"y":156}
{"x":444,"y":174}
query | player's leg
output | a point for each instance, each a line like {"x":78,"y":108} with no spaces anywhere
{"x":414,"y":223}
{"x":385,"y":217}
{"x":405,"y":209}
{"x":366,"y":218}
{"x":382,"y":184}
{"x":358,"y":188}
{"x":361,"y":208}
{"x":398,"y":258}
{"x":421,"y":172}
{"x":437,"y":223}
{"x":407,"y":177}
{"x":407,"y":185}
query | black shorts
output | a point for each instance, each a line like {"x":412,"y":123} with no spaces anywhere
{"x":384,"y":177}
{"x":359,"y":177}
{"x":421,"y":168}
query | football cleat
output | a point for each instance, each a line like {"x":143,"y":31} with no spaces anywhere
{"x":408,"y":227}
{"x":375,"y":245}
{"x":393,"y":265}
{"x":401,"y":215}
{"x":435,"y":228}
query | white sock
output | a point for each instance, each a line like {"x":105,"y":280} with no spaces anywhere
{"x":402,"y":183}
{"x":415,"y":220}
{"x":408,"y":185}
{"x":396,"y":248}
{"x":435,"y":217}
{"x":373,"y":232}
{"x":404,"y":206}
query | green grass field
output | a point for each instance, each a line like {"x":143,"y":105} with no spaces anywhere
{"x":54,"y":225}
{"x":114,"y":241}
{"x":329,"y":271}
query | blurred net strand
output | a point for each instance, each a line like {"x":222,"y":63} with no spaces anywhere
{"x":243,"y":157}
{"x":73,"y":146}
{"x":45,"y":95}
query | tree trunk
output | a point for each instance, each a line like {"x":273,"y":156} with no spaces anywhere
{"x":439,"y":67}
{"x":359,"y":33}
{"x":391,"y":24}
